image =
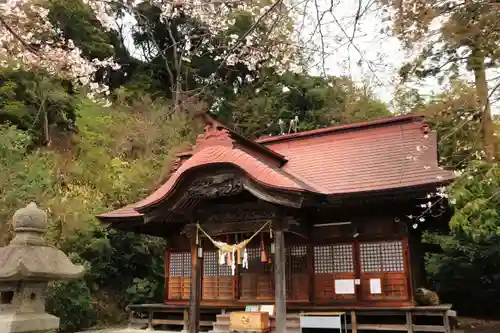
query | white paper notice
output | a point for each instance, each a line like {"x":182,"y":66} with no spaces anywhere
{"x":375,"y":286}
{"x":344,"y":287}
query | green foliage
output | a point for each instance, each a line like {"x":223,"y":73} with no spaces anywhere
{"x":466,"y":273}
{"x":145,"y":290}
{"x":255,"y":110}
{"x":37,"y":103}
{"x":71,"y":301}
{"x":118,"y":155}
{"x":477,"y":201}
{"x":455,"y":115}
{"x":77,"y":21}
{"x":23,"y":177}
{"x":468,"y":34}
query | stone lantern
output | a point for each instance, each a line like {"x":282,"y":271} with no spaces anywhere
{"x":27,"y":264}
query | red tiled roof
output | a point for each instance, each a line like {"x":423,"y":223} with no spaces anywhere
{"x":371,"y":156}
{"x":256,"y":169}
{"x":374,"y":158}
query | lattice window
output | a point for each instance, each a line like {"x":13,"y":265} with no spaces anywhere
{"x":323,"y":255}
{"x":382,"y":257}
{"x":180,"y":264}
{"x":343,"y":261}
{"x":225,"y":270}
{"x":371,"y":258}
{"x":392,"y":256}
{"x":254,"y":263}
{"x":336,"y":258}
{"x":298,"y":258}
{"x":253,"y":254}
{"x":211,"y":265}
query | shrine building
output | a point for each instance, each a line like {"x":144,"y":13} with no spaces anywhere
{"x":324,"y":220}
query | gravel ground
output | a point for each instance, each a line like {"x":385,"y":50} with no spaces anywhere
{"x":468,"y":325}
{"x":472,"y":325}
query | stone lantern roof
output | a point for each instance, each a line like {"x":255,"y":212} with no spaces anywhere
{"x":28,"y":257}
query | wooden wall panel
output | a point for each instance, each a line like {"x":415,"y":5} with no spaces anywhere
{"x":186,"y":287}
{"x":384,"y":261}
{"x":333,"y":262}
{"x":324,"y":287}
{"x":179,"y":275}
{"x":297,"y":272}
{"x":175,"y":287}
{"x":257,"y":282}
{"x":265,"y":287}
{"x":217,"y":281}
{"x":300,"y":287}
{"x":248,"y":286}
{"x":226,"y":287}
{"x":210,"y":287}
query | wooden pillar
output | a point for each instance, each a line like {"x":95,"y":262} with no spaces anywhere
{"x":130,"y":318}
{"x":354,"y":322}
{"x":409,"y":321}
{"x":185,"y":319}
{"x":446,"y":323}
{"x":150,"y":320}
{"x":280,"y":281}
{"x":195,"y":296}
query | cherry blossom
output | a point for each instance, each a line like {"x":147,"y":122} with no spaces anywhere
{"x":29,"y":41}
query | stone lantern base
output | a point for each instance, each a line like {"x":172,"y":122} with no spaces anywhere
{"x":12,"y":322}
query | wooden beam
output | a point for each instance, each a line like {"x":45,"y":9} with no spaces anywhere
{"x":280,"y":281}
{"x":214,"y":229}
{"x":195,"y":296}
{"x":295,"y":227}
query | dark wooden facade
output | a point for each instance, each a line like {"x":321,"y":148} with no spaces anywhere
{"x":361,"y":247}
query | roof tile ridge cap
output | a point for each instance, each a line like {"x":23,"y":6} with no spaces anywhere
{"x":275,"y":168}
{"x":243,"y":140}
{"x":239,"y":138}
{"x":297,"y":179}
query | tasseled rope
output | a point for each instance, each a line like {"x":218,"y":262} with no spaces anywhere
{"x":233,"y":262}
{"x":245,"y":259}
{"x":225,"y":248}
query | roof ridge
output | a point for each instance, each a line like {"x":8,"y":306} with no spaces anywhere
{"x":213,"y":125}
{"x":335,"y":128}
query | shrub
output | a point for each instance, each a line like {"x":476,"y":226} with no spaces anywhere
{"x":71,"y":301}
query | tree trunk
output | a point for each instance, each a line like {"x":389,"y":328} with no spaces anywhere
{"x":487,"y":129}
{"x":46,"y":129}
